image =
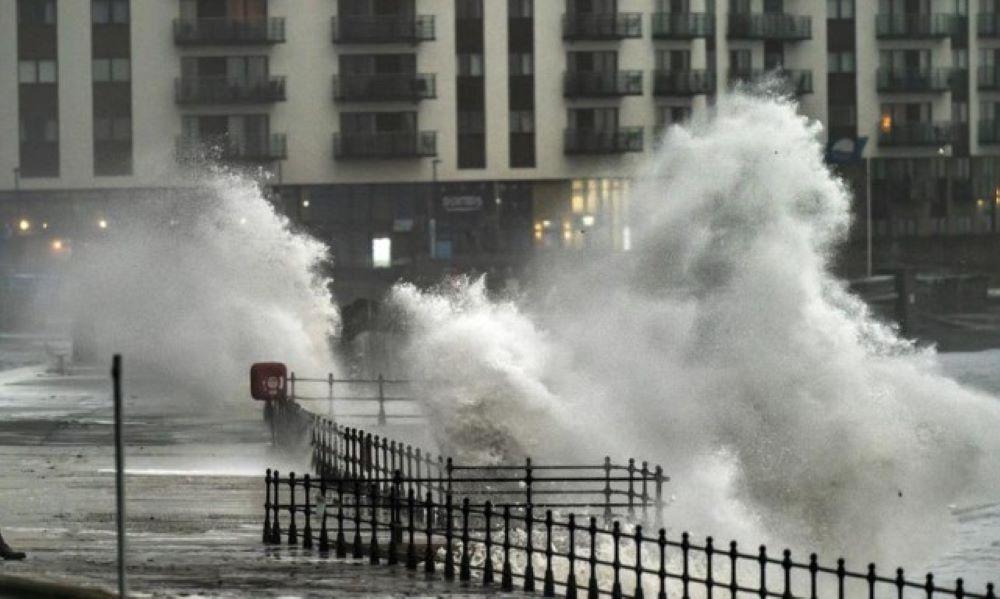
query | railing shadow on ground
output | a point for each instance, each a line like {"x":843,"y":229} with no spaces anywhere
{"x":582,"y":534}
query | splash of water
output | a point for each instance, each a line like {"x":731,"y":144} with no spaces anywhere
{"x":194,"y":286}
{"x":724,"y":348}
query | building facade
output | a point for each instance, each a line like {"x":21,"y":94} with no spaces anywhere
{"x":429,"y":134}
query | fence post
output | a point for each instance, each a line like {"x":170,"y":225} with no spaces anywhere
{"x":662,"y":541}
{"x":571,"y":556}
{"x":464,"y":569}
{"x":989,"y":591}
{"x":329,"y":383}
{"x":266,"y":538}
{"x":733,"y":557}
{"x":411,"y":550}
{"x":440,"y":483}
{"x":449,"y":555}
{"x":549,"y":584}
{"x":291,"y":380}
{"x":275,"y":527}
{"x":900,"y":582}
{"x":375,"y":459}
{"x":709,"y":551}
{"x":645,"y":491}
{"x":529,"y":570}
{"x":607,"y":489}
{"x":409,"y":466}
{"x":429,"y":550}
{"x":659,"y":496}
{"x":448,"y":470}
{"x":417,"y":459}
{"x":374,"y":558}
{"x":293,"y":533}
{"x":638,"y":563}
{"x":813,"y":571}
{"x":358,"y":552}
{"x":762,"y":559}
{"x":786,"y":564}
{"x":593,"y":592}
{"x":392,"y":456}
{"x":488,"y":541}
{"x":631,"y":487}
{"x":506,"y":575}
{"x":385,"y":460}
{"x":397,"y":483}
{"x":324,"y":535}
{"x":393,"y":523}
{"x":929,"y":586}
{"x":527,"y":480}
{"x":307,"y":539}
{"x":616,"y":586}
{"x":381,"y":400}
{"x":341,"y":540}
{"x":871,"y":581}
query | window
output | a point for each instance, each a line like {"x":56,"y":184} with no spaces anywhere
{"x":470,"y":65}
{"x":105,"y":12}
{"x":112,"y":70}
{"x":469,"y":9}
{"x":521,"y":63}
{"x":382,"y":252}
{"x":519,"y":9}
{"x":522,"y":121}
{"x":36,"y":12}
{"x":840,"y":9}
{"x":39,"y":128}
{"x":117,"y":128}
{"x":36,"y":71}
{"x":841,"y":62}
{"x":471,"y":121}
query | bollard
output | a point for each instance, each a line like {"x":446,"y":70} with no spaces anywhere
{"x":638,"y":564}
{"x":275,"y":527}
{"x":293,"y":533}
{"x":464,"y":569}
{"x":592,"y":591}
{"x":341,"y":541}
{"x":429,"y":550}
{"x":571,"y":556}
{"x":358,"y":551}
{"x":449,"y":556}
{"x":307,"y":539}
{"x":506,"y":575}
{"x":411,"y":550}
{"x":616,"y":586}
{"x":373,"y":550}
{"x":548,"y":586}
{"x":529,"y":570}
{"x":488,"y":540}
{"x":266,"y":537}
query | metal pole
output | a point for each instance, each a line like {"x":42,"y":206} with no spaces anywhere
{"x":868,"y":218}
{"x":116,"y":375}
{"x":431,"y":209}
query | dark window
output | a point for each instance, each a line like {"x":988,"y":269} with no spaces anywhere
{"x":36,"y":12}
{"x":107,"y":12}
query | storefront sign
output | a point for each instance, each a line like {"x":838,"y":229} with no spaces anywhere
{"x":467,"y":203}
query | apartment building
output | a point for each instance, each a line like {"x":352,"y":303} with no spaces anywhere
{"x":477,"y":133}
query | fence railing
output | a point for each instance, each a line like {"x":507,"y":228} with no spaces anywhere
{"x":387,"y":520}
{"x":379,"y":390}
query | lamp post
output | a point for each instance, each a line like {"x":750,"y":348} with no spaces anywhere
{"x":945,"y":152}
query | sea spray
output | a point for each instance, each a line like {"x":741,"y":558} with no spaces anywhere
{"x":194,"y":284}
{"x":722,"y":347}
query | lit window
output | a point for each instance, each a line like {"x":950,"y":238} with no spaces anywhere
{"x":382,"y":252}
{"x":46,"y":71}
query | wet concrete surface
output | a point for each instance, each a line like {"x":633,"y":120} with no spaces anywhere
{"x":195,"y":496}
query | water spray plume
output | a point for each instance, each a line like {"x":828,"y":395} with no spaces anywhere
{"x":722,"y":347}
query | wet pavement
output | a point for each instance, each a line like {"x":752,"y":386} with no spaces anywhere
{"x":195,"y":496}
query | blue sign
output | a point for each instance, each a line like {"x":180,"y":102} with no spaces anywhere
{"x":845,"y":150}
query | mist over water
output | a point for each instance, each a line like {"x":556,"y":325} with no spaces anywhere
{"x":193,"y":286}
{"x":723,"y":348}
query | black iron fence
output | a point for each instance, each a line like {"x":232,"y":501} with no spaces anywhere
{"x":388,"y":521}
{"x":378,"y":392}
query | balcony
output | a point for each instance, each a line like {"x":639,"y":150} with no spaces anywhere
{"x":917,"y":26}
{"x":602,"y":84}
{"x":919,"y":80}
{"x":232,"y":148}
{"x":382,"y":29}
{"x":989,"y":78}
{"x":770,"y":26}
{"x":683,"y":83}
{"x":229,"y":32}
{"x":682,"y":26}
{"x":988,"y":24}
{"x":388,"y":144}
{"x":394,"y":87}
{"x":613,"y":141}
{"x":989,"y":132}
{"x":788,"y":81}
{"x":916,"y":134}
{"x":229,"y":90}
{"x":601,"y":26}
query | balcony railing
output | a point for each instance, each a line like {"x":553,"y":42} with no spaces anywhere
{"x":770,"y":26}
{"x":611,"y":141}
{"x":682,"y":26}
{"x":916,"y":134}
{"x":225,"y":31}
{"x":382,"y":29}
{"x":988,"y":24}
{"x":789,"y":81}
{"x":228,"y":90}
{"x":683,"y":83}
{"x":989,"y":78}
{"x":915,"y":80}
{"x":601,"y":26}
{"x":989,"y":131}
{"x":390,"y":144}
{"x":402,"y":87}
{"x":600,"y":84}
{"x":233,"y":148}
{"x":917,"y":26}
